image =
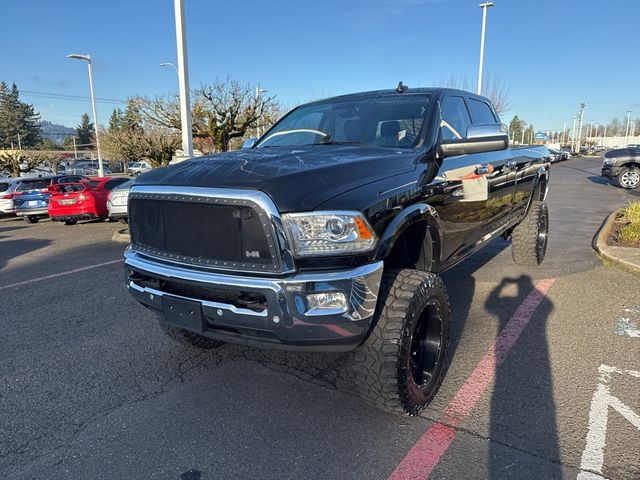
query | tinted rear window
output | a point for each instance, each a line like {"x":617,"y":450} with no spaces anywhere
{"x":481,"y":112}
{"x":4,"y":186}
{"x":33,"y":185}
{"x":114,"y":182}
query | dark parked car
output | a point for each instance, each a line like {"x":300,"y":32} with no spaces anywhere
{"x":329,"y":234}
{"x":31,"y":197}
{"x":623,"y":165}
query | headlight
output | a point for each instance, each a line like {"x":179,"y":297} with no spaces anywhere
{"x":329,"y":233}
{"x":609,"y":161}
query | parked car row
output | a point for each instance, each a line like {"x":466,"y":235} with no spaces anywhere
{"x":558,"y":155}
{"x":66,"y":198}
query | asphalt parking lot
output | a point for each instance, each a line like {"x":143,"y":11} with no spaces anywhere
{"x":91,"y":388}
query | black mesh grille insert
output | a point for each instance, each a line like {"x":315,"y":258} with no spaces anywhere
{"x":201,"y":232}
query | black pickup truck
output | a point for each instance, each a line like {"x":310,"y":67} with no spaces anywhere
{"x":329,"y":232}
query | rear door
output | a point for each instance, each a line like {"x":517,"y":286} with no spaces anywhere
{"x":502,"y":178}
{"x":462,"y":209}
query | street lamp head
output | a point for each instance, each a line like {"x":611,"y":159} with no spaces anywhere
{"x":77,"y":56}
{"x":487,"y":5}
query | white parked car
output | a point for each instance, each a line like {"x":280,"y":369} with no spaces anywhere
{"x":138,"y":168}
{"x":7,"y":189}
{"x":117,"y":201}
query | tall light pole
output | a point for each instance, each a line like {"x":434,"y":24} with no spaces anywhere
{"x":183,"y":80}
{"x":626,"y":140}
{"x":87,"y":58}
{"x":259,"y":91}
{"x":168,"y":64}
{"x":484,"y":6}
{"x":573,"y":135}
{"x":580,"y":119}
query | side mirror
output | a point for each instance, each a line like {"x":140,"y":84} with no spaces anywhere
{"x":486,"y":137}
{"x":249,"y":143}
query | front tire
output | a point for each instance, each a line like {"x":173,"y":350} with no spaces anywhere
{"x":187,"y":338}
{"x":70,"y":222}
{"x":629,"y":178}
{"x":529,"y":238}
{"x":401,"y":365}
{"x":30,"y":219}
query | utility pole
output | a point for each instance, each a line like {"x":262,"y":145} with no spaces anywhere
{"x":19,"y":143}
{"x":75,"y":149}
{"x":484,"y":6}
{"x":580,"y":118}
{"x":604,"y":136}
{"x":183,"y":80}
{"x":626,"y":140}
{"x":564,"y":133}
{"x":573,"y":136}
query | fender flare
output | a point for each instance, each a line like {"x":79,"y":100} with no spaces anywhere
{"x":418,"y":212}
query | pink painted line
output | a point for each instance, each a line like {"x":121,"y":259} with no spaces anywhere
{"x":429,"y":449}
{"x":60,"y":274}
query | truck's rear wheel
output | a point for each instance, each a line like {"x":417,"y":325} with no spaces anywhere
{"x":30,"y":219}
{"x":185,"y":337}
{"x":401,"y":365}
{"x":529,"y":239}
{"x":629,"y":178}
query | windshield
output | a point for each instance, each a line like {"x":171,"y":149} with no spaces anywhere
{"x":383,"y":121}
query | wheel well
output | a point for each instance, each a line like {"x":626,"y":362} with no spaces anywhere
{"x":630,"y":165}
{"x":542,"y":188}
{"x":413,"y":249}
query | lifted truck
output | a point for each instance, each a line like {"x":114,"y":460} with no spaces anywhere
{"x":329,"y":232}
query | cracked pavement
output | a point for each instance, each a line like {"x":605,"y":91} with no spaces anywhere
{"x":91,"y":388}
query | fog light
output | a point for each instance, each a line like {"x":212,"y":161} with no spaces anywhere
{"x":326,"y":303}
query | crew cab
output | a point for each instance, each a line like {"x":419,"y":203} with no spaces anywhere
{"x":329,"y":232}
{"x":623,"y":165}
{"x":83,"y":200}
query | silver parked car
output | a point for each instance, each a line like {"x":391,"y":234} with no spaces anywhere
{"x":117,"y":201}
{"x":7,"y":190}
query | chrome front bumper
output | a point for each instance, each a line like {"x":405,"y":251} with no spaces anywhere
{"x":285,"y":322}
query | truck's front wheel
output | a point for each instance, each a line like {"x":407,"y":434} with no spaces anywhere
{"x":185,"y":337}
{"x":401,"y":365}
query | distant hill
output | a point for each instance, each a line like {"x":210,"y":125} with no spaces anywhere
{"x":55,"y":132}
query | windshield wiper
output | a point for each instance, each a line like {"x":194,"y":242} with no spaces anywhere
{"x":336,"y":142}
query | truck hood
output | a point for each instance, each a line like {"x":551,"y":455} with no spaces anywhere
{"x":297,"y":179}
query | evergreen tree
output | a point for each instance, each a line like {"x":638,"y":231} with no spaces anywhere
{"x":132,"y":119}
{"x":515,"y":128}
{"x":116,"y":120}
{"x":84,"y":132}
{"x":19,"y":122}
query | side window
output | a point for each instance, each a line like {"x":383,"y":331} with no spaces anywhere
{"x":481,"y":112}
{"x":455,"y":118}
{"x":114,"y":182}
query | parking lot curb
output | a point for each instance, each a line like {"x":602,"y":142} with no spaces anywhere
{"x":121,"y":236}
{"x":625,"y":257}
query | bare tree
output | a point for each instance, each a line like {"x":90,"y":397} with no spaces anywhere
{"x":493,"y":86}
{"x":221,"y":112}
{"x":18,"y":161}
{"x":157,"y":146}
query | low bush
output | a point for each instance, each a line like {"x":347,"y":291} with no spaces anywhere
{"x":631,"y":212}
{"x":630,"y":234}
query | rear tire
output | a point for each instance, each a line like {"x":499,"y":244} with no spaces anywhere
{"x":123,"y":220}
{"x":185,"y":337}
{"x":529,"y":238}
{"x":70,"y":222}
{"x":30,"y":220}
{"x":401,"y":365}
{"x":628,"y":178}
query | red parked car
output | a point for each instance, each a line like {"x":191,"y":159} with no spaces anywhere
{"x":83,"y":200}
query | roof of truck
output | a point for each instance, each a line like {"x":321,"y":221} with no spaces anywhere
{"x":395,"y":92}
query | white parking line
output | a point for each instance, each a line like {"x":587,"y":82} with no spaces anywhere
{"x":59,"y":274}
{"x":593,"y":454}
